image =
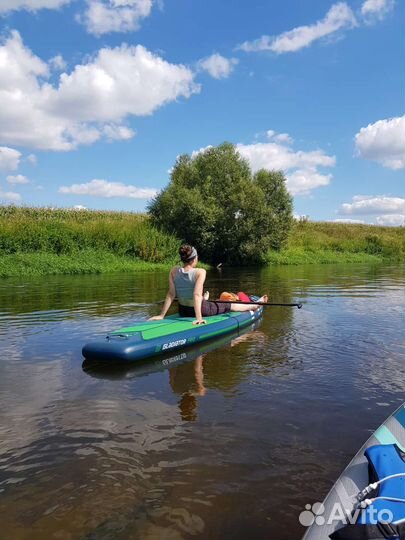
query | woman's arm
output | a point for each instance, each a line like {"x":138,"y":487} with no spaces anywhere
{"x":198,"y":296}
{"x":170,"y":296}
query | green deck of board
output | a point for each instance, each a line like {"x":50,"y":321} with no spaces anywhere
{"x":170,"y":325}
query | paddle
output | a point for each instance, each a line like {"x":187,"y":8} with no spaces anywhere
{"x":299,"y":306}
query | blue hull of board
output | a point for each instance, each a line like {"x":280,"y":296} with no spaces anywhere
{"x":125,"y":346}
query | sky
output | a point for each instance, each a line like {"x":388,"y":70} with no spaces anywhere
{"x":99,"y":97}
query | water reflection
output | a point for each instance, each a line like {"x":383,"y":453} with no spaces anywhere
{"x":181,"y":450}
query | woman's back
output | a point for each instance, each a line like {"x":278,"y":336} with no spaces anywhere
{"x":184,"y":283}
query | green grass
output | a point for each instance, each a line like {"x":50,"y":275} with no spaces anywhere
{"x":40,"y":241}
{"x":65,"y":232}
{"x":86,"y":262}
{"x":325,"y":242}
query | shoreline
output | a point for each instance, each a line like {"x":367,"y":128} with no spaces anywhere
{"x":86,"y":262}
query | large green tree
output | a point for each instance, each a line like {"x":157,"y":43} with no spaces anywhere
{"x":214,"y":202}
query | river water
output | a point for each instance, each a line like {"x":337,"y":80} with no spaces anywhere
{"x":217,"y":443}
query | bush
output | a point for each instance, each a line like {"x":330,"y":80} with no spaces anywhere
{"x":215,"y":203}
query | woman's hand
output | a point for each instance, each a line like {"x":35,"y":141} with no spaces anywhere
{"x":199,"y":321}
{"x":156,"y":318}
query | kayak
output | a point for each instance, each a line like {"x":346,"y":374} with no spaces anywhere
{"x":129,"y":370}
{"x":342,"y":514}
{"x":145,"y":339}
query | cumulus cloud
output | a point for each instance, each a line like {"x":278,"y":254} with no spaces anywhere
{"x":32,"y":158}
{"x":279,"y":137}
{"x":374,"y":10}
{"x":218,"y":66}
{"x":17,"y":179}
{"x":384,"y":142}
{"x":30,"y":5}
{"x":348,"y":220}
{"x":338,"y":18}
{"x":303,"y":181}
{"x":102,"y":188}
{"x":391,"y":220}
{"x":57,"y":63}
{"x":9,"y":196}
{"x":9,"y":158}
{"x":301,"y":168}
{"x":92,"y":101}
{"x":104,"y":16}
{"x":370,"y":205}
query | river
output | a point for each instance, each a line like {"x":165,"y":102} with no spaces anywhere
{"x":220,"y":443}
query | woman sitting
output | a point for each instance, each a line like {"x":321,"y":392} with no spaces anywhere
{"x":187,"y":284}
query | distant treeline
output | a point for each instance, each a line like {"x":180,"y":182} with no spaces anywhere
{"x":59,"y":241}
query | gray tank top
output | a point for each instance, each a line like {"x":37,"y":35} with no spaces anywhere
{"x":184,"y":283}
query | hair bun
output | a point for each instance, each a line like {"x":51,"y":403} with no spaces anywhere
{"x":186,"y":252}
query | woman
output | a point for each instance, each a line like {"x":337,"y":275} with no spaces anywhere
{"x":187,"y":284}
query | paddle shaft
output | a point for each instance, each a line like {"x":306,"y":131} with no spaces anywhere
{"x":299,"y":306}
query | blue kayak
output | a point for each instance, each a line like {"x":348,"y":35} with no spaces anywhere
{"x":145,"y":339}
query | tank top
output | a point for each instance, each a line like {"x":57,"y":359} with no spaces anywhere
{"x":184,"y":283}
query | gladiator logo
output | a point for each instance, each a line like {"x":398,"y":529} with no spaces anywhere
{"x":315,"y":514}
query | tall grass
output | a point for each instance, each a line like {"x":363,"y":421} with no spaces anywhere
{"x":35,"y":241}
{"x":326,"y":242}
{"x":65,"y":232}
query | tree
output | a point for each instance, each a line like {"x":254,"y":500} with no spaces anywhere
{"x":215,"y":203}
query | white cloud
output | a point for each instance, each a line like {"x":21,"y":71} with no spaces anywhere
{"x":90,"y":102}
{"x":384,"y":142}
{"x":57,"y":63}
{"x":370,"y":205}
{"x":302,"y":181}
{"x":373,"y":10}
{"x":9,"y":158}
{"x":106,"y":16}
{"x":102,"y":188}
{"x":9,"y":196}
{"x":79,"y":207}
{"x":218,"y":66}
{"x":30,"y":5}
{"x":17,"y":179}
{"x":113,"y":132}
{"x":279,"y":137}
{"x":32,"y":158}
{"x":391,"y":220}
{"x":348,"y":220}
{"x":339,"y":17}
{"x":301,"y":167}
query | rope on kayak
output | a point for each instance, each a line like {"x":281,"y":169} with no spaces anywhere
{"x":371,"y":487}
{"x":368,"y":502}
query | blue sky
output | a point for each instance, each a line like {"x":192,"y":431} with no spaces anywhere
{"x":98,"y":97}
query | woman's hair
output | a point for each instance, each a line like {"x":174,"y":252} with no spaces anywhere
{"x":187,"y":253}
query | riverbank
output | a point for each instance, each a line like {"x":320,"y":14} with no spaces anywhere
{"x":43,"y":241}
{"x":327,"y":242}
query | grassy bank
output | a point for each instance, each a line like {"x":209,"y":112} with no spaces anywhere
{"x":326,"y":242}
{"x":40,"y":241}
{"x":86,"y":262}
